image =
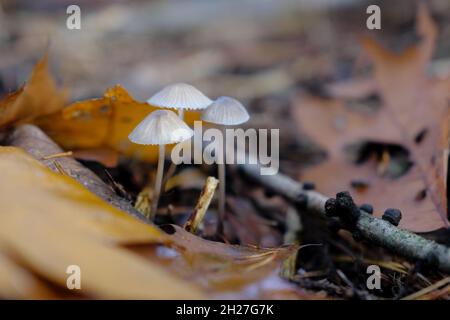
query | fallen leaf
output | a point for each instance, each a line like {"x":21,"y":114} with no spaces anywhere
{"x":18,"y":283}
{"x":49,"y":221}
{"x":28,"y":187}
{"x":227,"y":271}
{"x":39,"y":96}
{"x":414,"y":115}
{"x":244,"y":217}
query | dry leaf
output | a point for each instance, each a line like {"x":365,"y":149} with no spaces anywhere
{"x":228,"y":271}
{"x":39,"y":96}
{"x":414,"y":114}
{"x":18,"y":283}
{"x":49,"y":221}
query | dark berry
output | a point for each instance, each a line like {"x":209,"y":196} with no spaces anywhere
{"x":392,"y":216}
{"x":330,"y":208}
{"x":347,"y":209}
{"x":367,"y":208}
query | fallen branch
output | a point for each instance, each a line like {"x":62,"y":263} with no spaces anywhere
{"x":39,"y":145}
{"x":369,"y":228}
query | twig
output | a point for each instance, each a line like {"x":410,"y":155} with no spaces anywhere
{"x":371,"y":229}
{"x":39,"y":145}
{"x":60,"y":169}
{"x":361,"y":294}
{"x":437,"y":294}
{"x":202,"y":205}
{"x":58,"y":155}
{"x":428,"y":289}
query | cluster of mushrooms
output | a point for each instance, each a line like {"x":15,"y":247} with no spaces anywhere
{"x":163,"y":127}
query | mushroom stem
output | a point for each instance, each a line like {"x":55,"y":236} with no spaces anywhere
{"x":158,"y":180}
{"x":221,"y":168}
{"x":172,"y":166}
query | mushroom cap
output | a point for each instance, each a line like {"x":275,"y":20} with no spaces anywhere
{"x":226,"y":111}
{"x":180,"y":96}
{"x":161,"y":127}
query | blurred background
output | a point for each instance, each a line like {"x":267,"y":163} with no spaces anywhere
{"x":248,"y":49}
{"x":263,"y":52}
{"x":259,"y":51}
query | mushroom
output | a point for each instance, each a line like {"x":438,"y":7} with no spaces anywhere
{"x":160,"y":127}
{"x":180,"y":96}
{"x":225,"y":111}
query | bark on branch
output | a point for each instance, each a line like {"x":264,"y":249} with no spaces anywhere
{"x":374,"y":230}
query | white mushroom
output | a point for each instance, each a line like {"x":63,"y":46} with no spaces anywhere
{"x":180,"y":96}
{"x":225,"y":111}
{"x":160,"y":127}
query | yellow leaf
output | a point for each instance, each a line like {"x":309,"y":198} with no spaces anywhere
{"x":39,"y":96}
{"x":27,"y":185}
{"x":49,"y":221}
{"x":230,"y":271}
{"x":18,"y":283}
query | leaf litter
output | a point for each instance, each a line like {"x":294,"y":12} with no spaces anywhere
{"x":414,"y":115}
{"x":38,"y":239}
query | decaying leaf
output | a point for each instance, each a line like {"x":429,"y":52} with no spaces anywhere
{"x":228,"y":271}
{"x":104,"y":123}
{"x":49,"y":221}
{"x":39,"y":96}
{"x":244,"y":217}
{"x":414,"y":115}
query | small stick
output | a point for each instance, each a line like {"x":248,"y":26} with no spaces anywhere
{"x":437,"y":294}
{"x":58,"y":155}
{"x":60,"y":169}
{"x":428,"y":289}
{"x":197,"y":216}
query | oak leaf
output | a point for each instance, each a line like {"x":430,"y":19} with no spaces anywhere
{"x":414,"y":115}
